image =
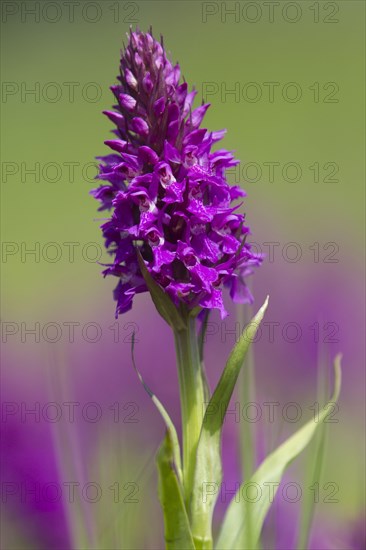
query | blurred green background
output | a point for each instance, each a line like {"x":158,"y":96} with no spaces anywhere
{"x":310,"y":55}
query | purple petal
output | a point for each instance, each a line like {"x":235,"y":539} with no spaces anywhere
{"x":239,"y":292}
{"x":140,"y":126}
{"x":161,"y":257}
{"x":147,"y":155}
{"x":197,"y":116}
{"x":171,"y":154}
{"x":116,"y":118}
{"x":127,"y":102}
{"x":214,"y":301}
{"x":159,"y":106}
{"x":130,"y":79}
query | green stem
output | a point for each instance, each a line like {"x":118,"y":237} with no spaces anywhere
{"x":192,"y":399}
{"x":203,"y":544}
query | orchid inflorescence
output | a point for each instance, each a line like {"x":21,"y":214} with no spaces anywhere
{"x":167,"y":189}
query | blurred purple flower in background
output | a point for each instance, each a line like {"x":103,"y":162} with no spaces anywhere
{"x":30,"y":457}
{"x":168,"y":190}
{"x":51,"y":452}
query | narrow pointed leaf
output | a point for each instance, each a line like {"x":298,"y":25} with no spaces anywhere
{"x":177,"y":530}
{"x":162,"y":301}
{"x":234,"y":532}
{"x":208,"y":473}
{"x":168,"y":422}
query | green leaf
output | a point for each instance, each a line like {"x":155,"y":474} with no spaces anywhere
{"x":162,"y":302}
{"x":178,"y":535}
{"x":168,"y":422}
{"x":208,"y":473}
{"x":234,"y":531}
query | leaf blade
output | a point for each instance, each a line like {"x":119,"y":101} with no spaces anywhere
{"x":165,"y":415}
{"x":233,"y":535}
{"x":208,"y":464}
{"x":178,"y":534}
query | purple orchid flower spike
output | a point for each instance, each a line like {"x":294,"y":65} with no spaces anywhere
{"x":167,"y":190}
